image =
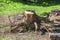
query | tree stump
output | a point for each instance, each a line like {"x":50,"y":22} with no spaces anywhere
{"x":24,"y":21}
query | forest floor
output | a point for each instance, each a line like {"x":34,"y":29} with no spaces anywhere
{"x":24,"y":36}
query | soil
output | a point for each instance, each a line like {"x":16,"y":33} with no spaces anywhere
{"x":25,"y":36}
{"x":20,"y":36}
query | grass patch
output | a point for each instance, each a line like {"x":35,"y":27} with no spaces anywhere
{"x":28,"y":38}
{"x":5,"y":38}
{"x":8,"y":38}
{"x":10,"y":7}
{"x":1,"y":25}
{"x":8,"y":27}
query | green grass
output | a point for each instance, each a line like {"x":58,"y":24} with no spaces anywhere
{"x":10,"y":7}
{"x":5,"y":38}
{"x":28,"y":38}
{"x":1,"y":25}
{"x":8,"y":38}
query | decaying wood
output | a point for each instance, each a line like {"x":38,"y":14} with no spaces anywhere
{"x":25,"y":20}
{"x":29,"y":19}
{"x":54,"y":16}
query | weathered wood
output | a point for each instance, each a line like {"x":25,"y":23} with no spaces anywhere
{"x":54,"y":16}
{"x":31,"y":18}
{"x":25,"y":20}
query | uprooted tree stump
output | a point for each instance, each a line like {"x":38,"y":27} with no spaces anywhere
{"x":54,"y":18}
{"x":28,"y":20}
{"x":22,"y":22}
